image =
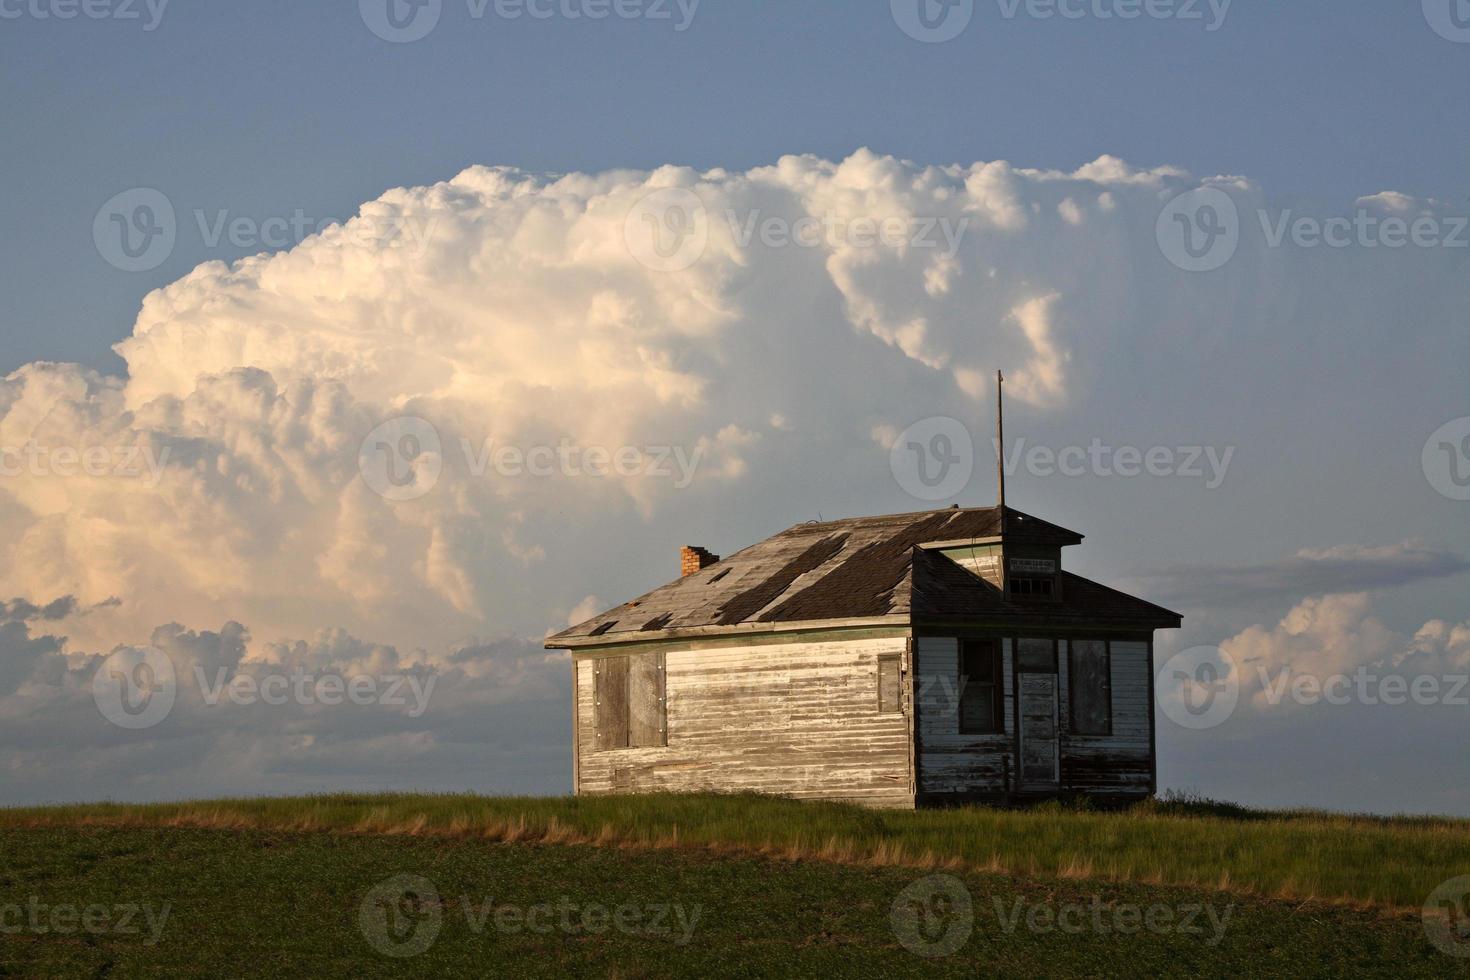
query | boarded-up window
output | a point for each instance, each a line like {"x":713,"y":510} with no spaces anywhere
{"x":890,"y":697}
{"x":1036,"y":656}
{"x":1091,"y":688}
{"x":646,"y":716}
{"x":982,"y":697}
{"x":630,"y":705}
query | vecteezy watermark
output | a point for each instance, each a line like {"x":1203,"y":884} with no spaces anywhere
{"x":402,"y":916}
{"x":136,"y":688}
{"x":100,"y":462}
{"x":403,"y":459}
{"x":1210,"y":13}
{"x":138,"y":229}
{"x":37,"y":918}
{"x":1201,"y":230}
{"x":1447,"y":918}
{"x":833,"y":231}
{"x":1203,"y":920}
{"x":934,"y":916}
{"x":932,"y":21}
{"x":148,"y":12}
{"x":1209,"y":464}
{"x":1198,"y":688}
{"x":937,"y":21}
{"x":135,"y":230}
{"x":933,"y":459}
{"x":406,"y":21}
{"x":1449,"y":18}
{"x":1364,"y":686}
{"x":1446,"y":459}
{"x":668,"y":230}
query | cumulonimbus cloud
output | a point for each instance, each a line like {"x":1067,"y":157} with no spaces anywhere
{"x":826,"y":301}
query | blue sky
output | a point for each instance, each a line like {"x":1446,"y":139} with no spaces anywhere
{"x":262,"y":108}
{"x":1333,"y":540}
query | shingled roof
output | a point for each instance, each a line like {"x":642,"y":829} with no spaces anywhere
{"x":862,"y":568}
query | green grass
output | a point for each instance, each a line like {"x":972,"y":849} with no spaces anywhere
{"x":289,"y":903}
{"x":1390,"y":863}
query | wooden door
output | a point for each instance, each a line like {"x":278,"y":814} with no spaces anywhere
{"x":1037,"y":711}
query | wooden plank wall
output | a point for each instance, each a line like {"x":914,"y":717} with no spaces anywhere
{"x":797,"y":719}
{"x":948,"y":761}
{"x":1119,"y":763}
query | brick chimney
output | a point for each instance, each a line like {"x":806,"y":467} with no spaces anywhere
{"x":693,"y":559}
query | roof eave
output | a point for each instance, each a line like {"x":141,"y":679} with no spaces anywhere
{"x":562,"y":642}
{"x":1059,"y":622}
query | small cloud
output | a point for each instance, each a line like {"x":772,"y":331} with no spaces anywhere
{"x":1321,"y":571}
{"x":585,"y":610}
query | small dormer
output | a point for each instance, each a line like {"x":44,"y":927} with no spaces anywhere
{"x":1024,"y":560}
{"x":1033,"y":573}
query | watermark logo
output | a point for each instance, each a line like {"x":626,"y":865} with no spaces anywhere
{"x":932,"y":21}
{"x":1199,"y":230}
{"x":1449,"y":18}
{"x":406,"y":21}
{"x":120,"y":10}
{"x":835,"y":232}
{"x":1446,"y":459}
{"x":933,"y":459}
{"x":401,"y":21}
{"x":401,"y":917}
{"x":934,"y":916}
{"x":1447,"y":918}
{"x":37,"y":918}
{"x":667,"y":230}
{"x":1198,"y":688}
{"x":1205,"y":921}
{"x":137,"y":462}
{"x":138,"y":230}
{"x":135,"y":231}
{"x":402,"y":459}
{"x":135,"y":688}
{"x":1184,"y":11}
{"x":1363,"y":686}
{"x":1207,"y":464}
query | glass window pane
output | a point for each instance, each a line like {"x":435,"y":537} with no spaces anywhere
{"x":981,"y":698}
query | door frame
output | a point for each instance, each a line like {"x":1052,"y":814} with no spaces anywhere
{"x":1055,"y":784}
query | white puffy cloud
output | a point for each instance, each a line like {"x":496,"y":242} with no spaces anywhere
{"x":1334,"y":636}
{"x":510,"y":312}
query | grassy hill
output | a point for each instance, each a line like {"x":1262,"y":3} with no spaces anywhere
{"x":715,"y":886}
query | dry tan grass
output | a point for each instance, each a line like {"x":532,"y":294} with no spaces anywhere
{"x":1007,"y":843}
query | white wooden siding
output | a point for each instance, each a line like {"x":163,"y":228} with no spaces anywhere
{"x":797,"y":719}
{"x":948,"y":761}
{"x":1120,"y":762}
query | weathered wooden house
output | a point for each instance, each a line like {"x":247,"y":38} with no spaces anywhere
{"x":896,"y":661}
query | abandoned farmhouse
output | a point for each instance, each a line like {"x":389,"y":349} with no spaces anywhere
{"x":896,"y":661}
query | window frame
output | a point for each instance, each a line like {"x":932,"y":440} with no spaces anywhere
{"x":1107,"y":658}
{"x":895,"y":661}
{"x":996,"y":683}
{"x":614,"y":678}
